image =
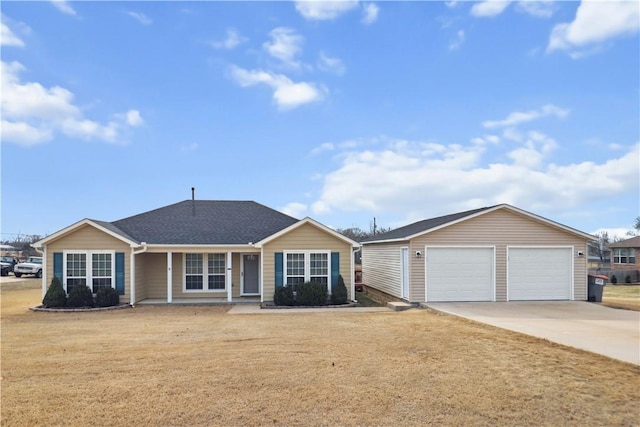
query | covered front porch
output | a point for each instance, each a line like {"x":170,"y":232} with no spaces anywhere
{"x":198,"y":275}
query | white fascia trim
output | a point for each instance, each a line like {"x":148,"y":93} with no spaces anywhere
{"x":79,"y":224}
{"x":201,"y":248}
{"x":302,"y":222}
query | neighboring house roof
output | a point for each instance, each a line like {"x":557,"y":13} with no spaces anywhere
{"x":205,"y":222}
{"x":429,"y":225}
{"x":633,"y":242}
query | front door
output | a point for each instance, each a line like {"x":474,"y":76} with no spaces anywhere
{"x":250,"y":274}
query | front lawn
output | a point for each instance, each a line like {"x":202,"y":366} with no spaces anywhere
{"x":622,"y":296}
{"x":197,"y":365}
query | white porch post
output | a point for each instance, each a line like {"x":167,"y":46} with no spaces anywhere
{"x":132,"y":277}
{"x":169,"y":277}
{"x":229,"y":277}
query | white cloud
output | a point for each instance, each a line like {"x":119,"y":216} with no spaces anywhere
{"x":538,"y":9}
{"x":7,"y":37}
{"x":329,"y":64}
{"x":456,"y":43}
{"x":295,"y":209}
{"x":26,"y":134}
{"x":141,"y":18}
{"x":285,"y":45}
{"x":370,"y":13}
{"x":287,"y":94}
{"x":64,"y":7}
{"x":33,"y":113}
{"x":134,"y":118}
{"x":489,"y":8}
{"x":595,"y":23}
{"x":324,"y":10}
{"x":232,"y":40}
{"x":517,"y":118}
{"x":325,"y":146}
{"x":410,"y":178}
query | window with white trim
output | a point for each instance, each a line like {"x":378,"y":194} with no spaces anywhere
{"x":89,"y":268}
{"x":624,"y":256}
{"x":215,"y":266}
{"x":307,"y":266}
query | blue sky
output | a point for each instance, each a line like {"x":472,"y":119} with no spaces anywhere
{"x":340,"y":111}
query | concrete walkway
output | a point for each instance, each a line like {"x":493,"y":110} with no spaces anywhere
{"x":255,"y":309}
{"x":588,"y":326}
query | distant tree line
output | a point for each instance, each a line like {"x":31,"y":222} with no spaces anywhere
{"x":22,"y":243}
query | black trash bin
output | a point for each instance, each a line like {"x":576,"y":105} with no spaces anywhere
{"x":596,"y":286}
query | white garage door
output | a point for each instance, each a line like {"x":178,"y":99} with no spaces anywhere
{"x":539,"y":273}
{"x":459,"y":274}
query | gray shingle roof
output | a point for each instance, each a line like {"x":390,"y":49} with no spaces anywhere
{"x":422,"y":226}
{"x":114,"y":229}
{"x":205,"y":222}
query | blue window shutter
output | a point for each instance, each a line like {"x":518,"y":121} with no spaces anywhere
{"x":335,"y":269}
{"x":57,"y":265}
{"x":120,"y":273}
{"x":279,"y":270}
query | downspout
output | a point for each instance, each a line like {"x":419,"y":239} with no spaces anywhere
{"x":132,"y":272}
{"x":353,"y":272}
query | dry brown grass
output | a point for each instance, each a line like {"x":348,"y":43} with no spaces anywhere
{"x":201,"y":366}
{"x":622,"y":296}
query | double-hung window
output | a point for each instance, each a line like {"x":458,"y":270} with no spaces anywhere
{"x":624,"y":256}
{"x":205,"y":272}
{"x":307,"y":266}
{"x":87,"y":268}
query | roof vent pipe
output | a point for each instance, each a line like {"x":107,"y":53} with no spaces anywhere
{"x":193,"y":193}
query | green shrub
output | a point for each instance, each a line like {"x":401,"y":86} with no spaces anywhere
{"x":311,"y":293}
{"x":107,"y":297}
{"x":80,"y":296}
{"x":55,"y":297}
{"x":339,"y":295}
{"x":283,"y":296}
{"x":614,"y":279}
{"x":627,"y":279}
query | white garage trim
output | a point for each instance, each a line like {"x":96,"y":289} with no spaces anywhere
{"x":473,"y":280}
{"x":532,"y":277}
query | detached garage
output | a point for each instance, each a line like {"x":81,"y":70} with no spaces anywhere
{"x":497,"y":253}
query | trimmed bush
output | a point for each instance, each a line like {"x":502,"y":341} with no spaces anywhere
{"x":55,"y":297}
{"x":80,"y":296}
{"x":339,"y":295}
{"x":107,"y":297}
{"x":311,"y":293}
{"x":283,"y":296}
{"x":614,"y":279}
{"x":627,"y":279}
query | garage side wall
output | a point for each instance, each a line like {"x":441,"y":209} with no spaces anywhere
{"x":382,"y":269}
{"x":500,"y":228}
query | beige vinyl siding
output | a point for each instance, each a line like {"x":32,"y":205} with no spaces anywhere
{"x":382,"y":268}
{"x":500,"y":228}
{"x":89,"y":238}
{"x":153,"y":283}
{"x":305,"y":237}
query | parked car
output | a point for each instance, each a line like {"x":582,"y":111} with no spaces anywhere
{"x":33,"y":265}
{"x":6,"y":265}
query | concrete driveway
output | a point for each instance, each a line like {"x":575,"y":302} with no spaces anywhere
{"x":608,"y":331}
